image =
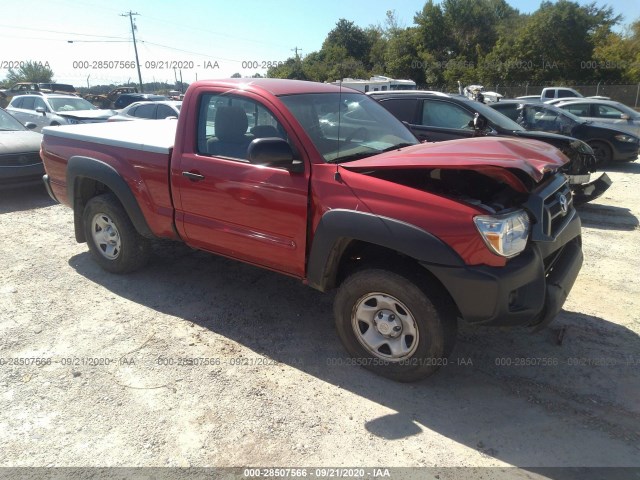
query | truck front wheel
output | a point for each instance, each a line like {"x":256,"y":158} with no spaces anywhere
{"x":392,"y":326}
{"x":113,"y":241}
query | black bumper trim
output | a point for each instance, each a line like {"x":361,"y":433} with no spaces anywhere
{"x":522,"y":292}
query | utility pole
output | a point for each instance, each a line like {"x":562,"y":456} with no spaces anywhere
{"x":295,"y":49}
{"x":130,"y":14}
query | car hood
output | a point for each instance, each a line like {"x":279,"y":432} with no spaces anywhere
{"x":87,"y":114}
{"x":20,"y":141}
{"x":532,"y":157}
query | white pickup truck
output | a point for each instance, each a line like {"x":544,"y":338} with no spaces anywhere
{"x":557,"y":93}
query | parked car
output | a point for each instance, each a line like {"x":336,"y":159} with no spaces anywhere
{"x":604,"y":111}
{"x":609,"y":142}
{"x":148,"y":110}
{"x":435,"y":116}
{"x":128,"y":98}
{"x":20,"y":160}
{"x":56,"y":109}
{"x":412,"y":236}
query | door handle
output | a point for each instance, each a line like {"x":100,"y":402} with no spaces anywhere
{"x":194,"y":177}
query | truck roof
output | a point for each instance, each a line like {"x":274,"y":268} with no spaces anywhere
{"x":273,"y":86}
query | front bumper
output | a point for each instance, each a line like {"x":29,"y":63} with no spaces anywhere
{"x":21,"y":175}
{"x":586,"y":192}
{"x":624,"y":151}
{"x":529,"y":290}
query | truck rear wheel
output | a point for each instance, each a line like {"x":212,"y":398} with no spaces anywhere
{"x":113,"y":241}
{"x":391,"y":326}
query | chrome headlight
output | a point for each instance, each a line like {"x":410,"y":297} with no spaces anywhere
{"x":505,"y":235}
{"x":72,"y":121}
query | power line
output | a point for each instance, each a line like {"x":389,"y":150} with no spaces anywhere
{"x":63,"y":33}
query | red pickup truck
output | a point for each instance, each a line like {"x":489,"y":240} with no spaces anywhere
{"x":322,"y":183}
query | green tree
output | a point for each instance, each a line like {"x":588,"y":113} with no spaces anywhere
{"x":31,"y":71}
{"x":557,"y":38}
{"x":617,"y":56}
{"x":349,"y":36}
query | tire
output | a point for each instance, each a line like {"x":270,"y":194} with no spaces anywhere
{"x":603,"y":152}
{"x":113,"y":241}
{"x":390,"y":324}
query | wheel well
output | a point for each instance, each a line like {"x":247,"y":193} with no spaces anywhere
{"x":85,"y":190}
{"x":357,"y":255}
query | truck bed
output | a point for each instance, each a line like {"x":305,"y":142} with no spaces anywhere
{"x":155,"y":136}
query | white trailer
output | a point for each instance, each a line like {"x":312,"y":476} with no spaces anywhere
{"x":376,"y":83}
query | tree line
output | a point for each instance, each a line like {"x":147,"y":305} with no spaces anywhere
{"x":479,"y":41}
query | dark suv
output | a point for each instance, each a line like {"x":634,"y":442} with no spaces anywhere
{"x":437,"y":116}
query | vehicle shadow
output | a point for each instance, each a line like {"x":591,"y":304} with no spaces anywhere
{"x":607,"y":217}
{"x":17,"y":199}
{"x":520,"y":398}
{"x":623,"y":167}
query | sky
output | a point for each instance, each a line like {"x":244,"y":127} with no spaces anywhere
{"x":89,"y":43}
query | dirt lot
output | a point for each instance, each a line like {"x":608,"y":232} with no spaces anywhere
{"x":115,"y":386}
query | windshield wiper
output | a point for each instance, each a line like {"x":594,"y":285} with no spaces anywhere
{"x":360,"y":155}
{"x":397,"y":147}
{"x":354,"y":156}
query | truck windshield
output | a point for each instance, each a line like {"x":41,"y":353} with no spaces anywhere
{"x":347,"y":126}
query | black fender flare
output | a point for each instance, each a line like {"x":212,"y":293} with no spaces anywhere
{"x":90,"y":168}
{"x":338,"y":227}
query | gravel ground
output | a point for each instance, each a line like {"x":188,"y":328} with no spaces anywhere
{"x":115,"y":382}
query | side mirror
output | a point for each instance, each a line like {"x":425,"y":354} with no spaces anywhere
{"x":30,"y":125}
{"x":624,"y":116}
{"x":271,"y":151}
{"x":479,"y":122}
{"x":41,"y":110}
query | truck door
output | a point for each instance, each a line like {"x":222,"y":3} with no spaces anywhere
{"x":225,"y":204}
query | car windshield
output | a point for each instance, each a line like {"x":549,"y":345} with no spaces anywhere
{"x":8,"y":123}
{"x":70,"y":104}
{"x":497,"y":118}
{"x":347,"y":126}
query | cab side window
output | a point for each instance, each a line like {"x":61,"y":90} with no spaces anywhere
{"x":228,"y":124}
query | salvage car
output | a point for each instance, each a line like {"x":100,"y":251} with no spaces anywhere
{"x":20,"y":160}
{"x":56,"y":109}
{"x":610,"y":112}
{"x":609,"y":142}
{"x":412,"y":236}
{"x":158,"y":110}
{"x":435,"y":116}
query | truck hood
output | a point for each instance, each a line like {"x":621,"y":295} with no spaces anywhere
{"x":532,"y":157}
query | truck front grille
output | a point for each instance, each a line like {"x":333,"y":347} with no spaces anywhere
{"x":551,"y":208}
